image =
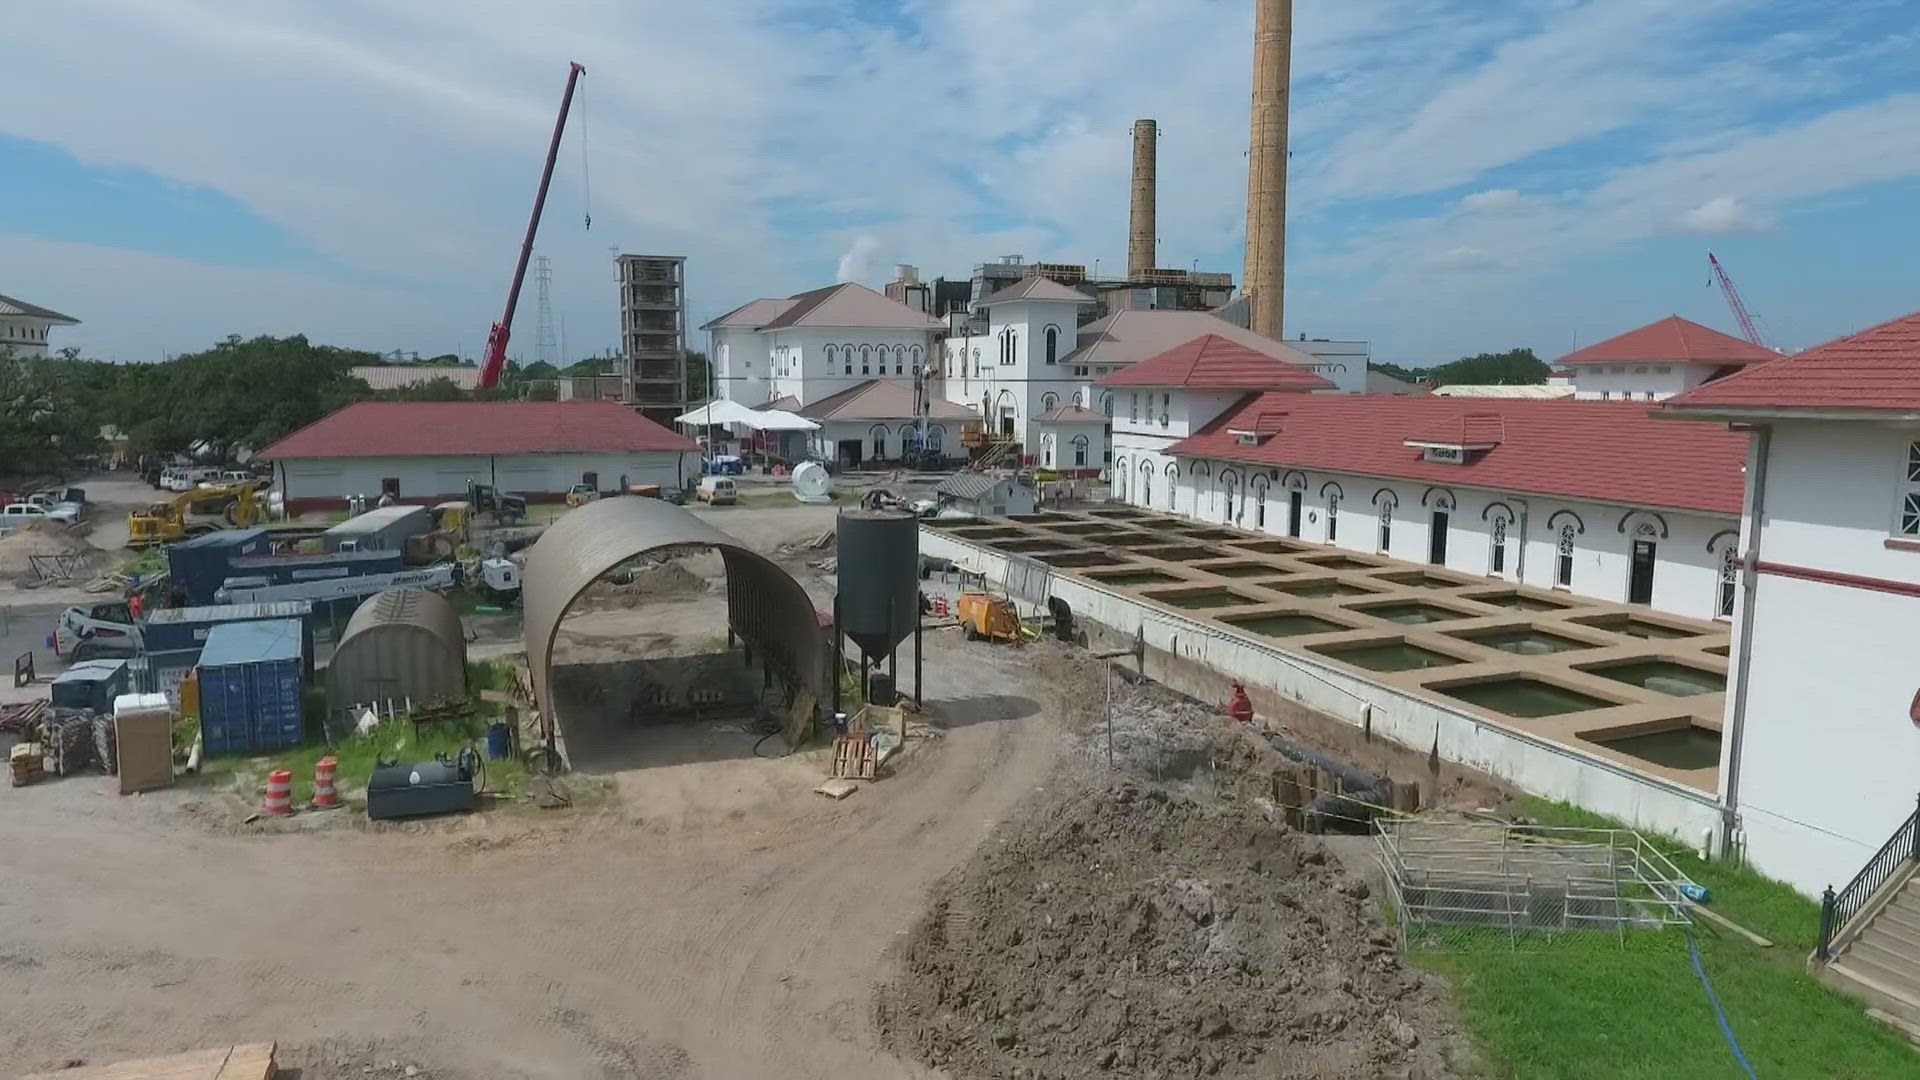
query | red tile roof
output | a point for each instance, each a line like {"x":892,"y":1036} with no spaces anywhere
{"x":1672,"y":340}
{"x":1212,"y":362}
{"x":1876,"y":369}
{"x":473,"y":428}
{"x":1600,"y":451}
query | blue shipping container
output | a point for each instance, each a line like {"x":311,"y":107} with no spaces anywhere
{"x":250,"y":688}
{"x":198,"y":566}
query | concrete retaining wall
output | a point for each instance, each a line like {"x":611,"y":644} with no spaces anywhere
{"x":1182,"y":652}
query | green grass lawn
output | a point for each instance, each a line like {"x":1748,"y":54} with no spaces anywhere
{"x":1595,"y":1006}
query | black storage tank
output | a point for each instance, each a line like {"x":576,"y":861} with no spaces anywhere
{"x":878,"y":555}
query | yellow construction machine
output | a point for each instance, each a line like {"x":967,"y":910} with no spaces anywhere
{"x":202,"y":510}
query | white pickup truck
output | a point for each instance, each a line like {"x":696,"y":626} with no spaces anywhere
{"x":14,"y":516}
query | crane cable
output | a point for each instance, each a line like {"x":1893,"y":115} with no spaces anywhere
{"x":586,"y":173}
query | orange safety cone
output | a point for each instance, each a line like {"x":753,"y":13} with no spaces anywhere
{"x":324,"y":797}
{"x":279,"y":800}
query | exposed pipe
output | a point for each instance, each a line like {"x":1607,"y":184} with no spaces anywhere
{"x":1743,"y":659}
{"x":1141,"y":227}
{"x":1264,"y":279}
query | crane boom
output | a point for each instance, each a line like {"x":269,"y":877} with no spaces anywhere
{"x":496,"y":358}
{"x":1740,"y":314}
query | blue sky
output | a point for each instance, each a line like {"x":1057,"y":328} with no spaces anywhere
{"x":1467,"y":175}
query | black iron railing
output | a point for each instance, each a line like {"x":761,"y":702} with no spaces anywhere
{"x":1838,"y":909}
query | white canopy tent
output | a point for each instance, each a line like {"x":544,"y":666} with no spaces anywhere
{"x":732,"y":412}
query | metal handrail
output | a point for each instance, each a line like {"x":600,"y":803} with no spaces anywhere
{"x":1839,"y":909}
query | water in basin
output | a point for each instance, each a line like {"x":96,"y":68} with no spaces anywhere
{"x":1680,"y":748}
{"x":1286,"y":625}
{"x":1388,"y":656}
{"x":1134,"y":577}
{"x":1518,"y":602}
{"x":1524,"y":697}
{"x":1632,"y":627}
{"x":1242,"y":569}
{"x":1411,"y":614}
{"x":1665,"y":677}
{"x":1337,"y":562}
{"x":1211,"y":598}
{"x":1324,"y":587}
{"x":1523,"y":641}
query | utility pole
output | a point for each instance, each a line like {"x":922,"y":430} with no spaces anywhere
{"x":546,"y":348}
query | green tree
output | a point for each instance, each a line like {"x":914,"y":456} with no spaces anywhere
{"x":48,"y":424}
{"x":1515,"y":367}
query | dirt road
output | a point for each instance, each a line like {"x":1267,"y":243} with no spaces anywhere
{"x":608,"y":944}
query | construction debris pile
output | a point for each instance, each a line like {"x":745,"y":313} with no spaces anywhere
{"x":1138,"y":932}
{"x":1162,"y":919}
{"x":47,"y":552}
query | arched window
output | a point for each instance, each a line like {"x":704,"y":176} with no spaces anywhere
{"x":936,"y":437}
{"x":846,"y":357}
{"x":829,"y":356}
{"x":1046,"y":450}
{"x":1079,"y":451}
{"x":1120,"y":479}
{"x":866,"y":359}
{"x":1145,"y":495}
{"x":1173,"y":483}
{"x":1106,"y":404}
{"x":1053,"y":344}
{"x":1078,"y":400}
{"x":899,"y":359}
{"x":1049,"y":402}
{"x":1726,"y":586}
{"x":1497,"y":534}
{"x":1563,"y":568}
{"x":1387,"y":501}
{"x":1259,"y":489}
{"x":879,"y":436}
{"x":1013,"y":345}
{"x":913,"y":358}
{"x":1230,"y":494}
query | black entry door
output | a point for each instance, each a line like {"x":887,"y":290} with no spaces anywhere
{"x":1293,"y":513}
{"x":1437,"y":540}
{"x":1640,"y":580}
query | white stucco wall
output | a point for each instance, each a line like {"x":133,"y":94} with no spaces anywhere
{"x":1636,"y":382}
{"x":1829,"y":759}
{"x":810,"y":363}
{"x":423,"y":478}
{"x":25,"y":335}
{"x":742,"y":371}
{"x":1055,"y":447}
{"x":894,"y":436}
{"x":1025,"y":386}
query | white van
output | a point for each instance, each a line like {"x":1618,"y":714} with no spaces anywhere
{"x":717,"y":490}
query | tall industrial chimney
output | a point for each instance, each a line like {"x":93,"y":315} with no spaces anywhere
{"x":1266,"y":271}
{"x":1140,"y":226}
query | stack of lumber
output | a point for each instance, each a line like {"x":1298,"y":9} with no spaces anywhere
{"x":27,"y":763}
{"x":248,"y":1061}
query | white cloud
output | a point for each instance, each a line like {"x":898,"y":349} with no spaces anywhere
{"x":1464,"y":258}
{"x":1723,"y":214}
{"x":1492,"y":201}
{"x":778,"y":142}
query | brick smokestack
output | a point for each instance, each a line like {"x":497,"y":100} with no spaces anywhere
{"x":1140,"y":226}
{"x":1265,"y":278}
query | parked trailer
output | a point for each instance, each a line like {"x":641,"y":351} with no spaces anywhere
{"x":197,"y":566}
{"x":384,"y":529}
{"x":106,"y":628}
{"x":443,"y":576}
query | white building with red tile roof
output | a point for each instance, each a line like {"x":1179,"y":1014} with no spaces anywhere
{"x":1821,"y":763}
{"x":816,"y":344}
{"x":428,"y":451}
{"x":1657,"y":361}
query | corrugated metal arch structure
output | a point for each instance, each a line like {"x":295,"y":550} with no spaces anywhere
{"x":402,"y":644}
{"x":766,"y":608}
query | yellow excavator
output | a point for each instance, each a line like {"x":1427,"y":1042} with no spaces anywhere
{"x":202,"y":510}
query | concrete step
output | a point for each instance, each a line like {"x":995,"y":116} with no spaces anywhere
{"x":1904,"y":908}
{"x":1891,"y":960}
{"x":1865,"y":981}
{"x":1896,"y":936}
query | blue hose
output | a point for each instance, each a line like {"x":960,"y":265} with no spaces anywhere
{"x":1726,"y":1029}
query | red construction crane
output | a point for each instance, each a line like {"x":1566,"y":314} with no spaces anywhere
{"x":496,"y":358}
{"x":1748,"y":329}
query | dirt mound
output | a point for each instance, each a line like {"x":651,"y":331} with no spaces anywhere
{"x":45,"y":538}
{"x":1142,"y":930}
{"x":692,"y":575}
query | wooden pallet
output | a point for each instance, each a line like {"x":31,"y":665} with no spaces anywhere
{"x":247,"y":1061}
{"x":854,"y":757}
